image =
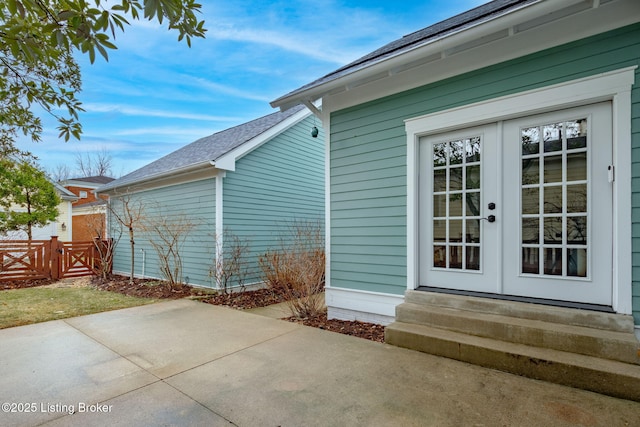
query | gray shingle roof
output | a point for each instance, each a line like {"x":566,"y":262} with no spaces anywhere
{"x":204,"y":150}
{"x":441,"y":29}
{"x":93,"y":179}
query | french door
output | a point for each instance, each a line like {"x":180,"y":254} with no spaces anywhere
{"x":521,"y":207}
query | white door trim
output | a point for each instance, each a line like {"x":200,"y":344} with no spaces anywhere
{"x":614,"y":86}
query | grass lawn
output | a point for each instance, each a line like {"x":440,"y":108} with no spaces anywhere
{"x":33,"y":305}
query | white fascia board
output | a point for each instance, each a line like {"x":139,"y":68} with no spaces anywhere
{"x":227,"y":161}
{"x":391,"y":75}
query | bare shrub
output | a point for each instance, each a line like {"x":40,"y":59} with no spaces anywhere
{"x":297,"y":268}
{"x":128,"y":213}
{"x":230,"y":265}
{"x":166,"y":236}
{"x":104,"y":247}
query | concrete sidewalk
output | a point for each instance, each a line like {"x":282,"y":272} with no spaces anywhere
{"x":188,"y":363}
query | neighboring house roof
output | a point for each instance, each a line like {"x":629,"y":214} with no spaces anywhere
{"x":208,"y":150}
{"x":64,"y":193}
{"x":89,"y":181}
{"x":382,"y":62}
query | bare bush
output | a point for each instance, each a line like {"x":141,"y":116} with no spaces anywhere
{"x":166,"y":236}
{"x":104,"y":247}
{"x":297,"y":268}
{"x":230,"y":266}
{"x":128,"y":213}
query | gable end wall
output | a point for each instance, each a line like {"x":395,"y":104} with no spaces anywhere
{"x":277,"y":183}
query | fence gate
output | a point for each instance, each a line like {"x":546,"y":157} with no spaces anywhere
{"x":48,"y":259}
{"x":76,"y":259}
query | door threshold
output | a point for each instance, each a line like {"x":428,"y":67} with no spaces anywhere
{"x":529,"y":300}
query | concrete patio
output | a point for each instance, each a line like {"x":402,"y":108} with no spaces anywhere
{"x":187,"y":363}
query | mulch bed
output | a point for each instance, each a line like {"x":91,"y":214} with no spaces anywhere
{"x":20,"y":284}
{"x":146,"y":288}
{"x":247,"y":299}
{"x":157,"y":289}
{"x":369,"y":331}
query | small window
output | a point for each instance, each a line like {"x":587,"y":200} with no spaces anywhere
{"x":83,"y":194}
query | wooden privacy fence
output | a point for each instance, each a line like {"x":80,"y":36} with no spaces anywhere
{"x":49,"y":259}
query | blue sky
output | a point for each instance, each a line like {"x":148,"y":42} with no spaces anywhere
{"x":156,"y":95}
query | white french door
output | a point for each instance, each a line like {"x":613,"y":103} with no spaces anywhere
{"x":458,"y":233}
{"x":521,"y":207}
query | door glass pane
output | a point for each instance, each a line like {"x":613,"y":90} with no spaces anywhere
{"x":553,"y":169}
{"x":530,"y":260}
{"x":439,"y":180}
{"x":440,"y":230}
{"x":473,"y":204}
{"x":530,"y":230}
{"x":473,"y":231}
{"x":473,"y":177}
{"x":440,"y":256}
{"x":530,"y":171}
{"x":440,"y":154}
{"x":473,"y":150}
{"x":457,"y":202}
{"x":457,"y":152}
{"x":552,"y":135}
{"x":553,"y":230}
{"x":472,"y":258}
{"x":553,"y":199}
{"x":555,"y":241}
{"x":440,"y":205}
{"x":577,"y":230}
{"x":530,"y":140}
{"x":577,"y":262}
{"x":455,"y":230}
{"x":577,"y":198}
{"x":553,"y":261}
{"x":455,"y":257}
{"x":577,"y":134}
{"x":530,"y":200}
{"x":455,"y":179}
{"x":577,"y":166}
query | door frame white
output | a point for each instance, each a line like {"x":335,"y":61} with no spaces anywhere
{"x":614,"y":86}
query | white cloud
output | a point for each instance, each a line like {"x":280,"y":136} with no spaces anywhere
{"x":147,"y":112}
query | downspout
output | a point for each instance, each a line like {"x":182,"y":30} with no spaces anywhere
{"x":143,"y":260}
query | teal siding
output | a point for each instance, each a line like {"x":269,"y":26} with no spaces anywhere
{"x":275,"y":184}
{"x":368,"y":153}
{"x":195,"y":201}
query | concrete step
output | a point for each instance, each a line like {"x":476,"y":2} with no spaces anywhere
{"x":604,"y":376}
{"x":567,"y":316}
{"x":614,"y":345}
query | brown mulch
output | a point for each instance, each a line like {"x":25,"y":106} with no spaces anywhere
{"x":369,"y":331}
{"x":247,"y":299}
{"x":146,"y":288}
{"x":21,"y":284}
{"x":157,"y":289}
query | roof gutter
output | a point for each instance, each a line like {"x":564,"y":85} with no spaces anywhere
{"x":168,"y":174}
{"x":437,"y":47}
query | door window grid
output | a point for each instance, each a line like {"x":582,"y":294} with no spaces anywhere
{"x":456,"y":204}
{"x":554,"y":200}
